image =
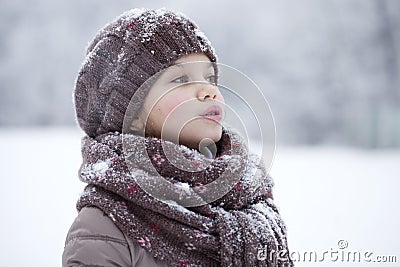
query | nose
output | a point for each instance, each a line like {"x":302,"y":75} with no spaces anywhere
{"x":207,"y":92}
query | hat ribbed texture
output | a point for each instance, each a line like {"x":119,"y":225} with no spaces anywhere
{"x":125,"y":54}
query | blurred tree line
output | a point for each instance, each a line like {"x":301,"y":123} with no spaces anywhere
{"x":329,"y":69}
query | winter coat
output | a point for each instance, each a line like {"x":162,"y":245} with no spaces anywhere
{"x":94,"y":240}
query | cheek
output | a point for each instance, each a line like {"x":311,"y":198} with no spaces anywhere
{"x":170,"y":103}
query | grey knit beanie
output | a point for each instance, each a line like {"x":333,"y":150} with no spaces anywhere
{"x":125,"y":54}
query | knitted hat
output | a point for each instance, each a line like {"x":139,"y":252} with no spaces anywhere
{"x":123,"y":55}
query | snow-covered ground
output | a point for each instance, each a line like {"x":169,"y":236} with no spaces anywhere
{"x":324,"y":194}
{"x":331,"y":194}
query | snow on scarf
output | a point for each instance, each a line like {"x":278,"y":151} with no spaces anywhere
{"x":230,"y":231}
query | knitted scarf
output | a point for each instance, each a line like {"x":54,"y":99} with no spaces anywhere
{"x":240,"y":228}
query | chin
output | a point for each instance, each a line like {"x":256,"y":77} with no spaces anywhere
{"x":196,"y":133}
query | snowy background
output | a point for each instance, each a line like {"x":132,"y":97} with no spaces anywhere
{"x":329,"y":69}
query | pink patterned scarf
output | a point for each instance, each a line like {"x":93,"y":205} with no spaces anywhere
{"x":240,"y":228}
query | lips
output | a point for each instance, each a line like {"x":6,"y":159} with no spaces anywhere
{"x":213,"y":113}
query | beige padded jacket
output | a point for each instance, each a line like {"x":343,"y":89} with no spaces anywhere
{"x":94,"y":240}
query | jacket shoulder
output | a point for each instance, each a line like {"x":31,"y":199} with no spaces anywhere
{"x":94,"y":240}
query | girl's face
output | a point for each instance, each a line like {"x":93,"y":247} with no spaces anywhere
{"x":184,"y":105}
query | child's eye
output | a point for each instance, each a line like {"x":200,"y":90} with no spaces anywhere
{"x":212,"y":79}
{"x":181,"y":79}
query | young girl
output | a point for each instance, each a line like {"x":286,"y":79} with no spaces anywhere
{"x":154,"y":149}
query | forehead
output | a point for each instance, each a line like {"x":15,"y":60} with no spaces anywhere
{"x":192,"y":62}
